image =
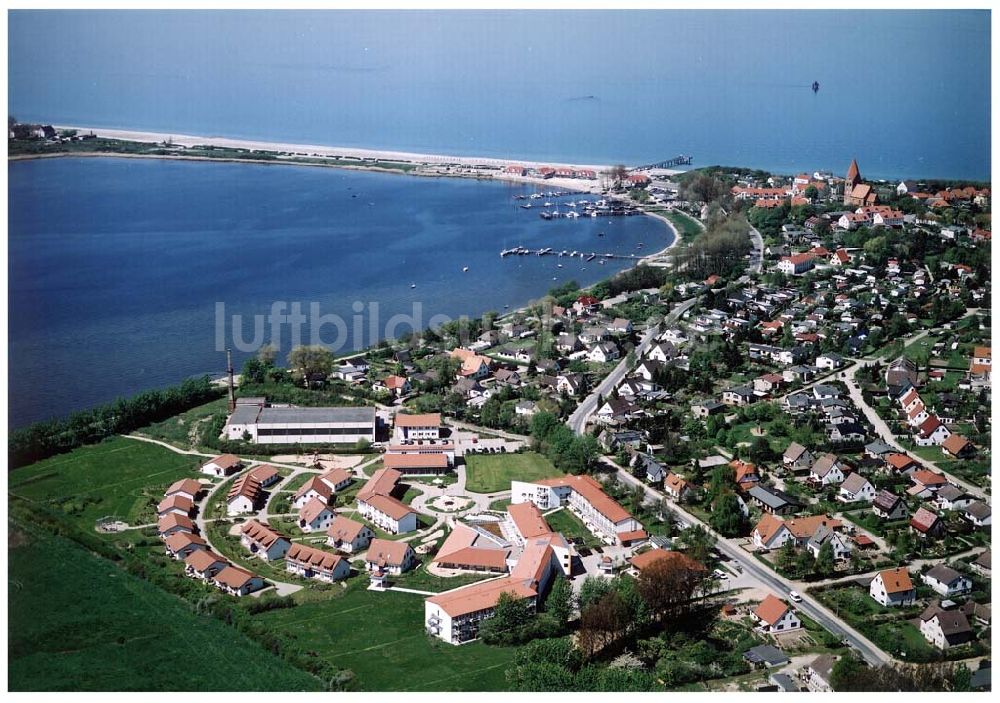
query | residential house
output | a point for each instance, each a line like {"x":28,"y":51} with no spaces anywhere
{"x":774,"y":615}
{"x":819,"y":673}
{"x":773,"y":501}
{"x":263,"y":542}
{"x":824,"y":535}
{"x":856,"y":488}
{"x":182,"y":505}
{"x":772,"y":532}
{"x":186,"y":487}
{"x":927,"y":524}
{"x":204,"y":564}
{"x":827,"y":470}
{"x":676,"y":487}
{"x":390,"y":556}
{"x":893,"y":588}
{"x":889,"y":506}
{"x":797,"y":458}
{"x":951,"y":497}
{"x":222,"y":466}
{"x":945,"y":581}
{"x":311,"y":563}
{"x":181,"y":544}
{"x":172,"y":523}
{"x":315,"y":516}
{"x":237,"y":582}
{"x":348,"y":535}
{"x":979,"y":514}
{"x":945,"y":628}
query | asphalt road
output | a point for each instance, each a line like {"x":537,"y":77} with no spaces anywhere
{"x":781,"y":586}
{"x":578,"y":420}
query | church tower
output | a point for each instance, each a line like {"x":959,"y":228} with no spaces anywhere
{"x":853,"y":178}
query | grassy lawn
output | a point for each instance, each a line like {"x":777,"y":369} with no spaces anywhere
{"x":570,"y":525}
{"x":500,"y":504}
{"x":79,"y":623}
{"x":181,"y":429}
{"x":491,"y":473}
{"x":381,"y":638}
{"x":121,"y":477}
{"x":686,"y":226}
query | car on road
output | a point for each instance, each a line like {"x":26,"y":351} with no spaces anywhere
{"x":794,"y":595}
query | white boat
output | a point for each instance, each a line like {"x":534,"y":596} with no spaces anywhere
{"x":464,"y":269}
{"x":413,"y":285}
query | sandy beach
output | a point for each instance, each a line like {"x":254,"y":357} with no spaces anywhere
{"x":434,"y":163}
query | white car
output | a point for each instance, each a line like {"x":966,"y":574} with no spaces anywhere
{"x":721,"y":574}
{"x":794,"y":595}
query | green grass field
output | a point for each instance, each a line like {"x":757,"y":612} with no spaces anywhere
{"x":381,"y":638}
{"x":79,"y":623}
{"x":121,"y":477}
{"x":490,"y":473}
{"x":570,"y":525}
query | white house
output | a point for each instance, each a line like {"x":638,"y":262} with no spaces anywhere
{"x":237,"y":582}
{"x":263,"y":542}
{"x":824,"y":535}
{"x":348,"y":535}
{"x":309,"y":562}
{"x":829,"y":361}
{"x":945,"y":628}
{"x":603,"y":352}
{"x":222,"y":466}
{"x":774,"y":615}
{"x":946,"y":581}
{"x":893,"y":587}
{"x":856,"y":488}
{"x":425,"y":426}
{"x":827,"y":470}
{"x":315,"y":516}
{"x":390,"y":556}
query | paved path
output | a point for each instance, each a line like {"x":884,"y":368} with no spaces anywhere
{"x":578,"y":419}
{"x":778,"y":584}
{"x":886,"y":435}
{"x":410,"y":590}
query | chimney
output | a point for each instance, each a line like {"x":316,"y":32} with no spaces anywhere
{"x":232,"y":391}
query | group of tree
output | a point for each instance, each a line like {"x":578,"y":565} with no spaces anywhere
{"x":557,"y":665}
{"x":48,"y":438}
{"x":852,"y":674}
{"x":567,"y":451}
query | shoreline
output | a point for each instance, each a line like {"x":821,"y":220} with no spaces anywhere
{"x":591,"y":187}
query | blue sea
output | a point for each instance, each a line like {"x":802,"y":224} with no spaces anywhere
{"x":906,"y":93}
{"x":118,"y":266}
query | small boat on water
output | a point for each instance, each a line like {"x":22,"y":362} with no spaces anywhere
{"x":558,"y":265}
{"x":600,"y":261}
{"x":413,"y":285}
{"x":464,"y":269}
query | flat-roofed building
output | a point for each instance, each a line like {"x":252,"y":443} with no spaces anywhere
{"x":268,"y":425}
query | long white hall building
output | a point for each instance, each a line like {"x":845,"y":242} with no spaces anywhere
{"x":291,"y":425}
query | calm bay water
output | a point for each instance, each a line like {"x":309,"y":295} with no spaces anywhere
{"x":907,"y":93}
{"x":116,"y":265}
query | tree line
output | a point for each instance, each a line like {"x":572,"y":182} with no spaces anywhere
{"x":42,"y":440}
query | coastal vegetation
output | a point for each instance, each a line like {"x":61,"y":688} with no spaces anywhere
{"x":33,"y":148}
{"x":45,"y":439}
